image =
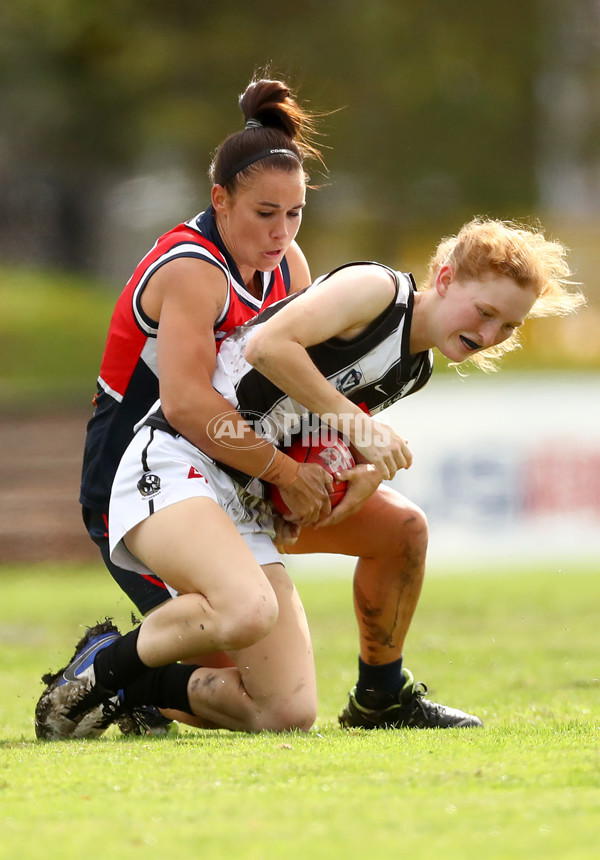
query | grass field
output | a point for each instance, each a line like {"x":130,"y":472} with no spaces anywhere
{"x":520,"y":649}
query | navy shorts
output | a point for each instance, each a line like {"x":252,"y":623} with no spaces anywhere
{"x":146,"y":592}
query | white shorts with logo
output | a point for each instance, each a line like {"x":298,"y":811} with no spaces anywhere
{"x":159,"y":469}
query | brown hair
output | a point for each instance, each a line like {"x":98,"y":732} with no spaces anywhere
{"x":278,"y":123}
{"x":486,"y":246}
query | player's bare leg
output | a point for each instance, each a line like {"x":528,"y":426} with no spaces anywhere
{"x":389,"y":537}
{"x":194,"y":546}
{"x":273,"y":686}
{"x":225,"y":599}
{"x":227,"y":602}
{"x":218,"y":660}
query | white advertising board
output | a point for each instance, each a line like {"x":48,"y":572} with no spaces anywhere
{"x":505,"y":467}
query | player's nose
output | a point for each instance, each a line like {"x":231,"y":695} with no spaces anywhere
{"x":491,"y":334}
{"x":279,"y":229}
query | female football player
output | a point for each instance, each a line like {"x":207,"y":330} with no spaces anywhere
{"x":356,"y":341}
{"x":198,"y":282}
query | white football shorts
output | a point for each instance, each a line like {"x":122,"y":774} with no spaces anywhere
{"x":159,"y":469}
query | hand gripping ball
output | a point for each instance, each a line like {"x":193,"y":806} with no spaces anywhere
{"x":331,"y":453}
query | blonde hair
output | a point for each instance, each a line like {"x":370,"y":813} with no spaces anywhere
{"x":486,"y":246}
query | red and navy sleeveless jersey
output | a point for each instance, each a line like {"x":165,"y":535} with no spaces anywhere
{"x":128,"y":382}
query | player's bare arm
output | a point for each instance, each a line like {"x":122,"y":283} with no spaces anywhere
{"x":342,"y":306}
{"x":188,"y":295}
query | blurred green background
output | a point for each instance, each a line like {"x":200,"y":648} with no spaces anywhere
{"x":435,"y":111}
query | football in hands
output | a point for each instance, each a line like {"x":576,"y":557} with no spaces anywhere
{"x":332,"y":454}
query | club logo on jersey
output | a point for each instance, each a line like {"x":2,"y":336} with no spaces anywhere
{"x":348,"y":381}
{"x":149,"y":485}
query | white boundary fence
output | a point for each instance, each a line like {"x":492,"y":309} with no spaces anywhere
{"x":505,"y":467}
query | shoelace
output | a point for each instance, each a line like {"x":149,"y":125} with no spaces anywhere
{"x":117,"y":712}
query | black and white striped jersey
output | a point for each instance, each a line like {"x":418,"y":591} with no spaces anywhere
{"x":373,"y":370}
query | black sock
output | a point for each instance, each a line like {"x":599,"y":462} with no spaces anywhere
{"x":119,"y":664}
{"x":383,"y":681}
{"x":164,"y":687}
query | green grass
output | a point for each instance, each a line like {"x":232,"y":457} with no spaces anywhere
{"x":519,"y":649}
{"x":52,"y":332}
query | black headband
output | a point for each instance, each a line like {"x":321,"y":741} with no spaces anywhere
{"x":264,"y":153}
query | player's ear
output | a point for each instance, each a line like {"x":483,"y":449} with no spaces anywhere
{"x":218,"y":197}
{"x":443,"y":279}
